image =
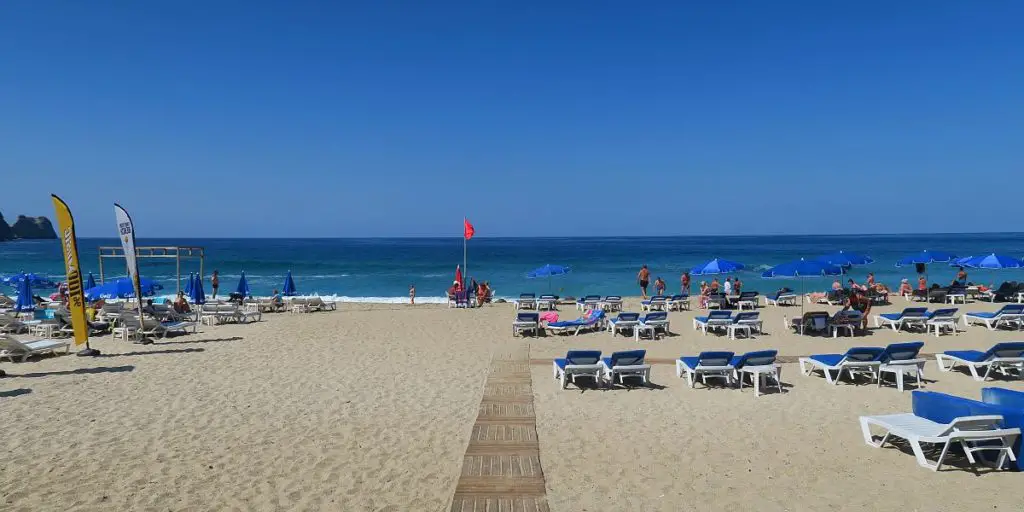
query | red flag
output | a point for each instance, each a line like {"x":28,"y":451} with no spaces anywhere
{"x":469,"y":231}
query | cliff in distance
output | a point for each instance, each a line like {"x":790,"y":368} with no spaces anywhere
{"x":27,"y":228}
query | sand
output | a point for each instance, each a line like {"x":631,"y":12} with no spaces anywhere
{"x":371,"y":408}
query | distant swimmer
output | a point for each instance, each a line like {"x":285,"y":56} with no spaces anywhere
{"x":644,"y":278}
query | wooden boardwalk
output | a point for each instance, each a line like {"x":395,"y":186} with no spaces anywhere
{"x":501,"y":469}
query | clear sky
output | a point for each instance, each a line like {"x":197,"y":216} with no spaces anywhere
{"x":387,"y":118}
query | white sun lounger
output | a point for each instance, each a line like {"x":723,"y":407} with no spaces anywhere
{"x":526,"y":301}
{"x":972,"y":433}
{"x":857,"y":360}
{"x":625,"y":322}
{"x":905,"y":318}
{"x":652,"y":323}
{"x":526,"y":322}
{"x":760,"y":366}
{"x":714,"y":320}
{"x":627,"y":363}
{"x":576,"y":363}
{"x":716,"y":365}
{"x":779,"y":299}
{"x":1002,"y":357}
{"x":11,"y":348}
{"x":1008,"y":314}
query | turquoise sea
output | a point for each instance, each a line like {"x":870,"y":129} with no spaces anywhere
{"x":381,"y":269}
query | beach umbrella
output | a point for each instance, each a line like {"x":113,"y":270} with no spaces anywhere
{"x":548,"y":271}
{"x":25,"y":301}
{"x":845,"y":259}
{"x":925,"y":257}
{"x":289,"y":285}
{"x":196,"y":294}
{"x":992,"y":261}
{"x":33,"y":279}
{"x":959,"y":262}
{"x":122,"y":288}
{"x":243,"y":286}
{"x":716,"y":266}
{"x":91,"y":282}
{"x":458,"y":274}
{"x":802,"y":269}
{"x":189,"y":284}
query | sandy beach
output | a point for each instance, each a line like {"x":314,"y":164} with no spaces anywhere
{"x":372,"y":408}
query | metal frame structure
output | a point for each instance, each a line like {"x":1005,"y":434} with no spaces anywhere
{"x":160,"y":252}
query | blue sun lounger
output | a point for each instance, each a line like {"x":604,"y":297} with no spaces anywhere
{"x":906,"y":318}
{"x":857,"y":360}
{"x":593,"y":321}
{"x":1002,"y":357}
{"x":578,"y":362}
{"x":714,"y":320}
{"x":623,"y":322}
{"x":900,"y":359}
{"x":760,"y":366}
{"x":653,"y":323}
{"x":1008,"y":314}
{"x":627,"y":363}
{"x":525,"y":322}
{"x":713,"y":364}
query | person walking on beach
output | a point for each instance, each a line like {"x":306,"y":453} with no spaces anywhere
{"x":659,"y":286}
{"x":737,"y":286}
{"x":714,"y":285}
{"x":644,"y":278}
{"x":214,"y":283}
{"x":412,"y":294}
{"x":684,"y":284}
{"x":728,"y":286}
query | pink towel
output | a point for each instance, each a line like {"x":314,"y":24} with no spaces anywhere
{"x":549,"y":316}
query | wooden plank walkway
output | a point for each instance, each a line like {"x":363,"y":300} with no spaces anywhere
{"x":501,"y":469}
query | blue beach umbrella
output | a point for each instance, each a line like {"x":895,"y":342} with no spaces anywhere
{"x":289,"y":285}
{"x":716,"y":266}
{"x":91,"y":282}
{"x":196,"y":294}
{"x":925,"y":257}
{"x":802,"y":269}
{"x":25,"y":302}
{"x":243,"y":286}
{"x":993,"y":262}
{"x":845,"y":259}
{"x":189,"y":284}
{"x":548,"y":271}
{"x":122,"y":289}
{"x":33,"y":279}
{"x":959,"y":262}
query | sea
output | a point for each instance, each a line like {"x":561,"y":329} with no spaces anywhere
{"x":382,"y":269}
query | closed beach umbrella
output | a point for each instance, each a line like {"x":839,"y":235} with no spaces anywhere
{"x":925,"y":257}
{"x":189,"y":284}
{"x":121,"y":289}
{"x":25,"y":302}
{"x":197,"y":295}
{"x":91,"y":282}
{"x":548,"y":271}
{"x":992,"y":261}
{"x":289,"y":285}
{"x":243,"y":286}
{"x":458,"y":274}
{"x":802,"y":269}
{"x":716,"y":266}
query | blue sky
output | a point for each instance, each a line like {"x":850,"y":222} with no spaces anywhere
{"x":253,"y":118}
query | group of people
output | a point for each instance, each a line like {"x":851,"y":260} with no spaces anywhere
{"x":482,"y":291}
{"x":643,"y":278}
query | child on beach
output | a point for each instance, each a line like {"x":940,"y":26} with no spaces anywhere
{"x":412,"y":294}
{"x":214,"y":283}
{"x":659,"y":286}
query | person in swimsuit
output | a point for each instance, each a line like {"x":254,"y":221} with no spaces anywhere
{"x":412,"y":294}
{"x":961,"y":277}
{"x":922,"y":283}
{"x":659,"y":286}
{"x":644,"y":278}
{"x":684,"y":284}
{"x":715,"y":285}
{"x":215,"y":283}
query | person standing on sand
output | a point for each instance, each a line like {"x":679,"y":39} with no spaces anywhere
{"x":643,"y":278}
{"x":714,"y":285}
{"x":214,"y":283}
{"x":684,"y":284}
{"x":412,"y":294}
{"x":659,"y":286}
{"x":728,"y":286}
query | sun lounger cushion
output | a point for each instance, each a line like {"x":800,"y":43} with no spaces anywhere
{"x":625,"y":358}
{"x":708,"y":359}
{"x":756,"y":358}
{"x":902,"y":351}
{"x":861,"y":354}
